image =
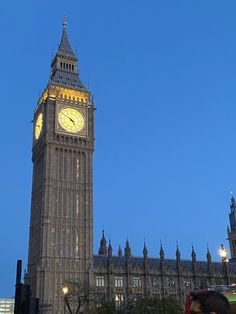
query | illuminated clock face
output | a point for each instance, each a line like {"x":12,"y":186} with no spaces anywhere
{"x":71,"y":120}
{"x":38,"y":126}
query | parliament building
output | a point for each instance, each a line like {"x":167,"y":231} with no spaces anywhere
{"x":61,"y":222}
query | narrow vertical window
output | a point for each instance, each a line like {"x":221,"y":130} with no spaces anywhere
{"x":137,"y":282}
{"x":119,"y":299}
{"x":118,"y":281}
{"x":100,"y":281}
{"x":77,"y":204}
{"x":77,"y":167}
{"x":77,"y":246}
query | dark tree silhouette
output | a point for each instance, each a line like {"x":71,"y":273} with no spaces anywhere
{"x":78,"y":297}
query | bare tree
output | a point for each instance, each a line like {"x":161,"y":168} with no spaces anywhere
{"x":77,"y":296}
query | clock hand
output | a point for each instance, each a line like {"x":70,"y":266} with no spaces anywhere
{"x":72,"y":120}
{"x":69,"y":118}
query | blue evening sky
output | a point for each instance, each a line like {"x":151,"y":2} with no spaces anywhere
{"x":163,"y":74}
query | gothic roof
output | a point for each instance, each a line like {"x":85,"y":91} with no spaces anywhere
{"x":64,"y":69}
{"x":65,"y":47}
{"x":101,"y":262}
{"x":67,"y":79}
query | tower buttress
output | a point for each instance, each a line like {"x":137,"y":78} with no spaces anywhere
{"x":231,"y":230}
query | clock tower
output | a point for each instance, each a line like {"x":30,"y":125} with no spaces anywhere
{"x":61,"y":222}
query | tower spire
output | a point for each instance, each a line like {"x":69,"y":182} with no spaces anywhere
{"x":120,"y":251}
{"x":162,"y":254}
{"x":64,"y":22}
{"x":145,"y":251}
{"x":64,"y":67}
{"x":208,"y":255}
{"x":103,"y":245}
{"x":65,"y":47}
{"x":193,"y":255}
{"x":177,"y":252}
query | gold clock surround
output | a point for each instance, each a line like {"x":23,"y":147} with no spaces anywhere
{"x":38,"y":126}
{"x":71,"y":120}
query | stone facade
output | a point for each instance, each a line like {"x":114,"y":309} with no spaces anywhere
{"x":120,"y":276}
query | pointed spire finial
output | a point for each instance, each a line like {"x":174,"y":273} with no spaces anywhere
{"x":208,"y":254}
{"x":65,"y":49}
{"x":232,"y":199}
{"x":145,"y":255}
{"x":64,"y":22}
{"x":177,"y":251}
{"x":145,"y":251}
{"x":110,"y":249}
{"x":103,"y":245}
{"x":193,"y":254}
{"x":233,"y":202}
{"x":127,"y":249}
{"x":162,"y":254}
{"x":120,"y":251}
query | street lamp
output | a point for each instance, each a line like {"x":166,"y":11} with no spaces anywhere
{"x":223,"y":255}
{"x":65,"y":291}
